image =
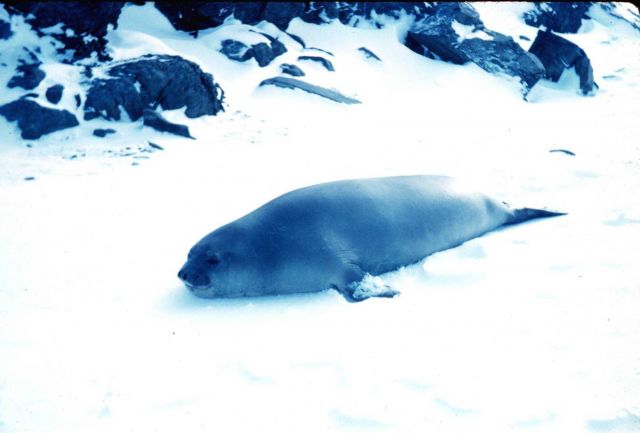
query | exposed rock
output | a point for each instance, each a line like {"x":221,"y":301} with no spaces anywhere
{"x":561,"y":17}
{"x":157,"y":122}
{"x":5,"y":30}
{"x":292,"y":83}
{"x":321,"y":50}
{"x":324,"y":62}
{"x":290,"y":69}
{"x":99,"y":132}
{"x":323,"y":12}
{"x":263,"y":53}
{"x":170,"y":82}
{"x":236,"y":50}
{"x":84,"y":24}
{"x":78,"y":100}
{"x":35,"y":120}
{"x":369,"y":54}
{"x":558,"y":54}
{"x":435,"y":36}
{"x":504,"y":55}
{"x":298,"y":39}
{"x":54,"y":93}
{"x":199,"y":15}
{"x":28,"y":76}
{"x":565,"y":151}
{"x":281,"y":13}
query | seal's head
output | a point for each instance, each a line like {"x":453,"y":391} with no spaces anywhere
{"x":218,"y":266}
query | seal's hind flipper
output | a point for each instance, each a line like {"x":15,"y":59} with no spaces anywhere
{"x":526,"y":214}
{"x":368,"y":287}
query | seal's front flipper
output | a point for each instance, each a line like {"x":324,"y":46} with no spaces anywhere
{"x":368,"y":287}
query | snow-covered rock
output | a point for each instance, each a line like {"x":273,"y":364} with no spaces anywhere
{"x":455,"y":33}
{"x":561,"y":17}
{"x":80,"y":26}
{"x":150,"y":81}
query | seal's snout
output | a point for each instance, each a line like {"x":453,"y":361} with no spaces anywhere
{"x":193,"y":278}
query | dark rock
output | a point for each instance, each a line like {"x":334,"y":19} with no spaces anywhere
{"x":236,"y":50}
{"x":159,"y":123}
{"x":29,"y":95}
{"x":323,"y":12}
{"x":321,"y":50}
{"x":155,"y":146}
{"x":87,"y":22}
{"x":298,"y":39}
{"x":35,"y":120}
{"x":199,"y":15}
{"x":435,"y":37}
{"x":324,"y":62}
{"x":277,"y":47}
{"x":504,"y":55}
{"x":292,"y":83}
{"x":558,"y":54}
{"x":54,"y":93}
{"x":565,"y":151}
{"x":99,"y":132}
{"x":561,"y":17}
{"x":293,"y":70}
{"x":5,"y":30}
{"x":28,"y":76}
{"x":368,"y":53}
{"x":170,"y":82}
{"x":78,"y":100}
{"x":262,"y":53}
{"x":281,"y":13}
{"x":30,"y":178}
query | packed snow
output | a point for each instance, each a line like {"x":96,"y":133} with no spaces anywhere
{"x":530,"y":328}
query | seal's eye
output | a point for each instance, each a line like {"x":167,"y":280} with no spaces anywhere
{"x":213,"y":261}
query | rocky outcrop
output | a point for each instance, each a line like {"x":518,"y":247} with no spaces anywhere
{"x":193,"y":16}
{"x":558,"y":54}
{"x":349,"y":12}
{"x":453,"y":32}
{"x":292,"y":83}
{"x":560,"y":17}
{"x":84,"y":24}
{"x":29,"y":76}
{"x":169,"y":82}
{"x":35,"y":120}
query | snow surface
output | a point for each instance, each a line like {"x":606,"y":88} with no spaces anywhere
{"x":531,"y":328}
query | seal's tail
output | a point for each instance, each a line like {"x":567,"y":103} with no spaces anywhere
{"x":526,"y":214}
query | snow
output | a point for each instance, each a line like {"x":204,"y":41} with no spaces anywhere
{"x":531,"y":328}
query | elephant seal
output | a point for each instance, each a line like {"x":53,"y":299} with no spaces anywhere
{"x":340,"y":234}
